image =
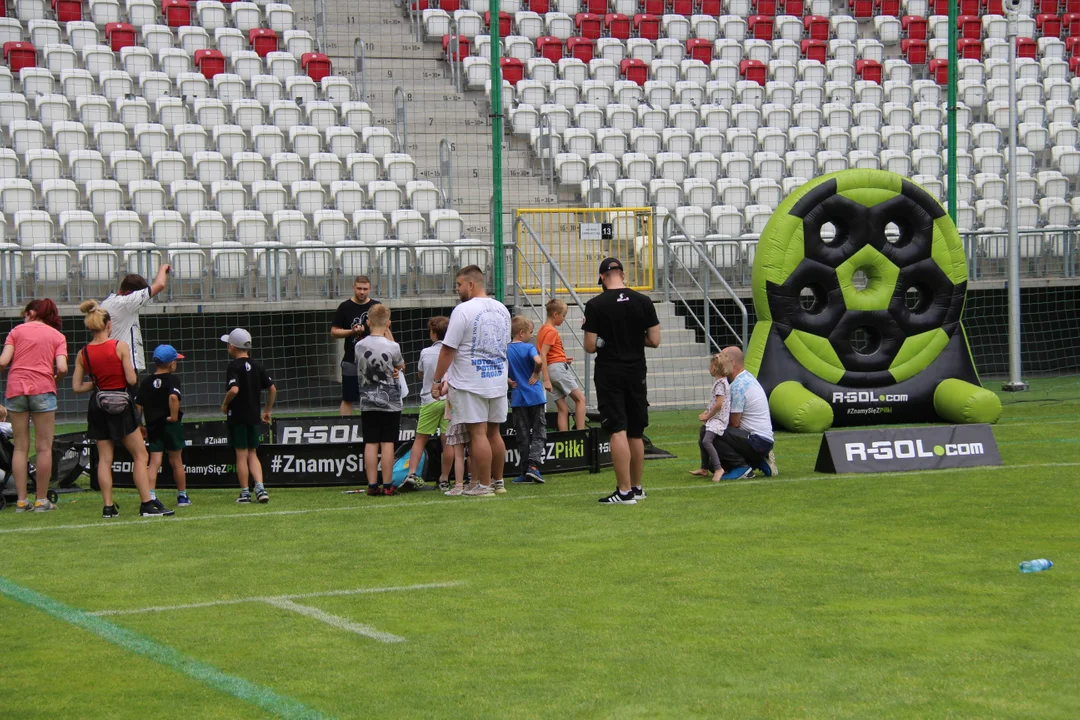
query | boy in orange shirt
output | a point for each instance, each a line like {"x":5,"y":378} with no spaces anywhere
{"x":559,"y":379}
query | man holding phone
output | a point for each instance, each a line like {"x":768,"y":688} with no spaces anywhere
{"x":350,"y":323}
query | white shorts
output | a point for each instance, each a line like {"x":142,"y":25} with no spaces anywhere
{"x":469,"y":408}
{"x":563,"y":381}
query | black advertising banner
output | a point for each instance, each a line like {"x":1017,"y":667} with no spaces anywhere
{"x":904,"y":449}
{"x":569,"y":451}
{"x":212,"y":432}
{"x":332,"y":429}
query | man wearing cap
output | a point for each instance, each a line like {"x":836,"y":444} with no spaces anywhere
{"x":245,"y":380}
{"x":159,"y":402}
{"x":619,"y":324}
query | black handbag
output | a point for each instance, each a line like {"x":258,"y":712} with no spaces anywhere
{"x":112,"y":402}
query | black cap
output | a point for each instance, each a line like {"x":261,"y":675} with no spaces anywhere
{"x":607,"y":265}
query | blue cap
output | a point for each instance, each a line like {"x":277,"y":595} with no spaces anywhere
{"x":165,"y":354}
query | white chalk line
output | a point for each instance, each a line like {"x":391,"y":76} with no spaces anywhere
{"x":272,"y":599}
{"x":335,"y":621}
{"x":491,"y":502}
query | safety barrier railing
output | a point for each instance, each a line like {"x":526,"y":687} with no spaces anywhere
{"x":446,"y":173}
{"x":684,"y":252}
{"x":401,"y":119}
{"x":360,"y":69}
{"x":551,"y":280}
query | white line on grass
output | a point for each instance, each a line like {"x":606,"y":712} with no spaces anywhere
{"x":277,"y":598}
{"x":334,"y":620}
{"x":165,"y":655}
{"x":490,"y":500}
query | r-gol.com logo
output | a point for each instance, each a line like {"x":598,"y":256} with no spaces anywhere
{"x":907,"y":449}
{"x":865,"y":396}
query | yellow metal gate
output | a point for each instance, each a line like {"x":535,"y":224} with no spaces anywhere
{"x":578,"y":239}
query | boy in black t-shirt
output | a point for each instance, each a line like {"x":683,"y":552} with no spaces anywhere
{"x":619,"y":324}
{"x":159,"y":405}
{"x":245,"y":380}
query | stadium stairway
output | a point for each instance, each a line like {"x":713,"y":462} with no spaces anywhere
{"x":435,"y":111}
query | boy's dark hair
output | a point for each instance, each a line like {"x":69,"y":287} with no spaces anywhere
{"x":133,"y":283}
{"x":438,"y":325}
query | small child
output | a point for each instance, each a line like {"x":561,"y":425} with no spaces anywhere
{"x":559,"y":380}
{"x":432,"y":411}
{"x":716,"y":417}
{"x":524,"y":367}
{"x":158,"y":403}
{"x":245,"y":380}
{"x":457,"y":442}
{"x":378,"y":362}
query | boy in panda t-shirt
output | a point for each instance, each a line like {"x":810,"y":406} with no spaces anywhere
{"x":378,"y":363}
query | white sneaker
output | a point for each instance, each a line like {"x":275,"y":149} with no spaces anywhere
{"x":498,"y":488}
{"x":770,"y":460}
{"x":478,"y":491}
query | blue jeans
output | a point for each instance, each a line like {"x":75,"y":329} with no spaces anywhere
{"x":43,"y":402}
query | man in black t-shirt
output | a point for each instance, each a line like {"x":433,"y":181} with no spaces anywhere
{"x":350,"y":323}
{"x":619,"y":324}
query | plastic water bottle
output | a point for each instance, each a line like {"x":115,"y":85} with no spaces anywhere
{"x":1031,"y":566}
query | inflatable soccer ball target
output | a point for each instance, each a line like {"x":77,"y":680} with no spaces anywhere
{"x":859,"y":284}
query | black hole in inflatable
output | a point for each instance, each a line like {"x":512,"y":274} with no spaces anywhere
{"x":860,"y":279}
{"x":865,"y":340}
{"x":918,"y":299}
{"x":892,"y":233}
{"x":813,"y":299}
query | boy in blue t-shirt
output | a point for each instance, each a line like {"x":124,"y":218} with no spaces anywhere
{"x":527,"y":401}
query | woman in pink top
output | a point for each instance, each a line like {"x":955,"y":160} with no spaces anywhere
{"x":36,"y":353}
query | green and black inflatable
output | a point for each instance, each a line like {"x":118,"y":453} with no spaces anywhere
{"x":865,"y":327}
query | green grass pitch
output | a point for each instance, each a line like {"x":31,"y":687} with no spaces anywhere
{"x":803,"y":596}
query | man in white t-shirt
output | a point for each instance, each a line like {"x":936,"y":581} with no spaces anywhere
{"x":747,"y":444}
{"x":124,"y":305}
{"x":474,"y":352}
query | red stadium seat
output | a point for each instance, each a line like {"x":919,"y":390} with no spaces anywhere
{"x":177,"y":12}
{"x":20,"y":55}
{"x":969,"y":27}
{"x":1074,"y":65}
{"x":635,"y":70}
{"x":596,"y":7}
{"x":765,"y":7}
{"x":655,"y":7}
{"x":1071,"y":24}
{"x":888,"y":7}
{"x":914,"y":26}
{"x":753,"y":70}
{"x":969,"y":7}
{"x":419,"y":6}
{"x":969,"y":49}
{"x":993,"y":7}
{"x":1026,"y":48}
{"x":791,"y":7}
{"x":590,"y":25}
{"x":868,"y":70}
{"x":815,"y":50}
{"x":699,"y":49}
{"x":682,"y":7}
{"x":317,"y":65}
{"x":263,"y":41}
{"x":550,"y":48}
{"x":862,"y":9}
{"x":939,"y":71}
{"x":939,"y":7}
{"x":1072,"y":46}
{"x":1047,"y":7}
{"x":712,"y":7}
{"x":119,"y":35}
{"x":761,"y":27}
{"x":66,"y":10}
{"x":210,"y":62}
{"x":1072,"y":6}
{"x":581,"y":48}
{"x":1048,"y":25}
{"x":504,"y":22}
{"x":816,"y":27}
{"x":462,"y":48}
{"x":540,"y":6}
{"x":513,"y":70}
{"x":618,"y":26}
{"x":647,"y":26}
{"x":450,"y":6}
{"x":914,"y":51}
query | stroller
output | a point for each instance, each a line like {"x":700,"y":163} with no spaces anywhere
{"x":70,"y":461}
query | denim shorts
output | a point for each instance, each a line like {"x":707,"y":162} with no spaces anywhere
{"x":44,"y":402}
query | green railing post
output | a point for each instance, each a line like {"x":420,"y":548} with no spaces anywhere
{"x":499,"y":264}
{"x":953,"y":71}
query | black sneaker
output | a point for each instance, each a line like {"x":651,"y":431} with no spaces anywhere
{"x":261,"y":495}
{"x":245,"y":497}
{"x":154,"y":508}
{"x":639,"y":493}
{"x":110,"y":511}
{"x":616,"y":498}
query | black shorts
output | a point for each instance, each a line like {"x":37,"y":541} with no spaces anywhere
{"x":350,"y":383}
{"x":380,"y":426}
{"x":100,"y":425}
{"x":623,"y":402}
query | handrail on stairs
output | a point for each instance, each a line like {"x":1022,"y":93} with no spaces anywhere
{"x":360,"y":68}
{"x":555,"y":276}
{"x":711,"y":272}
{"x":401,"y":119}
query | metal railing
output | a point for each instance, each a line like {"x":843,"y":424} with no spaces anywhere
{"x":453,"y":56}
{"x":360,"y":69}
{"x":446,"y":173}
{"x":699,"y":260}
{"x":544,"y":149}
{"x":401,"y":119}
{"x":551,"y":281}
{"x":320,"y":25}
